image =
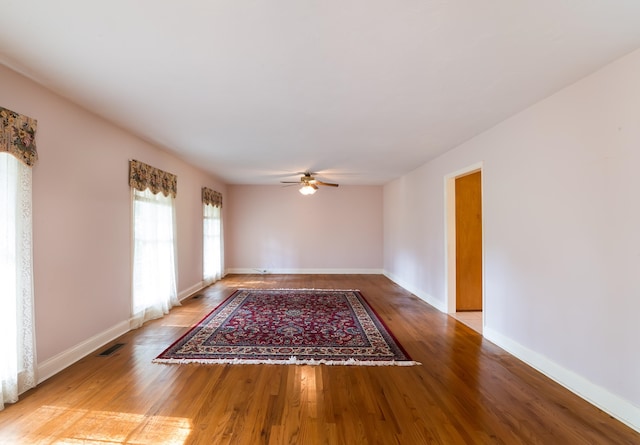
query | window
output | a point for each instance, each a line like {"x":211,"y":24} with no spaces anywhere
{"x":17,"y":344}
{"x":154,"y":289}
{"x":212,"y":244}
{"x":17,"y":331}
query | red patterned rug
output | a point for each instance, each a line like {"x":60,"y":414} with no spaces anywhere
{"x":290,"y":326}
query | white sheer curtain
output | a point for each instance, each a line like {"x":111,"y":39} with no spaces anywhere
{"x":212,"y":244}
{"x":17,"y":342}
{"x":154,"y":260}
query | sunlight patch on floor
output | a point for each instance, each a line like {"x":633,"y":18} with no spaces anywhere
{"x":80,"y":426}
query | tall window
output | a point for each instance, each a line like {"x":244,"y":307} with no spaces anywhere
{"x":154,"y":260}
{"x":212,"y":249}
{"x":17,"y":342}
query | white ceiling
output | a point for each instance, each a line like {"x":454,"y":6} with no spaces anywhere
{"x":363,"y":91}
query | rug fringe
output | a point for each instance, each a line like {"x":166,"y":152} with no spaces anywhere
{"x":289,"y":361}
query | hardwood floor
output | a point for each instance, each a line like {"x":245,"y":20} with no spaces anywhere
{"x":467,"y":391}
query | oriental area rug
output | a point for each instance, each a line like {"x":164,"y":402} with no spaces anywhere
{"x":290,"y":326}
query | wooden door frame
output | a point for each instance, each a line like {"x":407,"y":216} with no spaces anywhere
{"x":450,"y":235}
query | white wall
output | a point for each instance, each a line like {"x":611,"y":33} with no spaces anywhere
{"x":561,"y":234}
{"x":82,"y":221}
{"x":277,"y":229}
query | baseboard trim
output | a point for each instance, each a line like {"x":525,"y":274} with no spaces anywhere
{"x":266,"y":271}
{"x":440,"y":305}
{"x":63,"y":360}
{"x":192,"y":290}
{"x":608,"y":402}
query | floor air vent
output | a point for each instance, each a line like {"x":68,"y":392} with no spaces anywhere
{"x":111,"y":350}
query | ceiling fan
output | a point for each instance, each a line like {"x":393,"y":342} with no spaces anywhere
{"x":309,"y":183}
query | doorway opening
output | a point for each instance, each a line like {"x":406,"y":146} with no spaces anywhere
{"x":464,"y":247}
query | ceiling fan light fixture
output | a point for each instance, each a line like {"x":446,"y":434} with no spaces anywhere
{"x":308,"y":189}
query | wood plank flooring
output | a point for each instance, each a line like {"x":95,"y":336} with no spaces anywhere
{"x":467,"y":391}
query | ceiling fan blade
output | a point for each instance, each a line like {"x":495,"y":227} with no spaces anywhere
{"x":326,"y":183}
{"x":289,"y":182}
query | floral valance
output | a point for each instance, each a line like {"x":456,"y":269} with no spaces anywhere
{"x":211,"y":197}
{"x":18,"y":136}
{"x":143,"y":176}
